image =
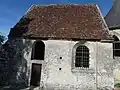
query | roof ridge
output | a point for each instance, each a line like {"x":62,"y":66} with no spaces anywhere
{"x":65,"y":4}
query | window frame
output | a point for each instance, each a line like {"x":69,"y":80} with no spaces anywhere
{"x":114,"y":49}
{"x":73,"y":68}
{"x":91,"y":65}
{"x":116,"y":40}
{"x":84,"y":58}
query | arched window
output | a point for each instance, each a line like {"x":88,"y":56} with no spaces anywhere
{"x":82,"y":57}
{"x":38,"y":51}
{"x":116,"y":46}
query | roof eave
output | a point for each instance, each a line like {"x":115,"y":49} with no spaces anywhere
{"x":114,"y":27}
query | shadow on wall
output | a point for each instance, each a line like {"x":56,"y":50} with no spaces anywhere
{"x":16,"y":63}
{"x":13,"y":52}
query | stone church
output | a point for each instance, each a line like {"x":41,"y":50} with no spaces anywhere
{"x":113,"y":21}
{"x":59,"y":47}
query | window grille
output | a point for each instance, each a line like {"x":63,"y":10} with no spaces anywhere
{"x":116,"y":46}
{"x":82,"y":57}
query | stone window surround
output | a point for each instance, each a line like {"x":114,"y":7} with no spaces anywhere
{"x":116,"y":41}
{"x":115,"y":33}
{"x":79,"y":69}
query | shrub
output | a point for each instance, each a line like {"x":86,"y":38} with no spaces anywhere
{"x":117,"y":85}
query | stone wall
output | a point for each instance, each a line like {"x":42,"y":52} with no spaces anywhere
{"x":4,"y":71}
{"x":57,"y":69}
{"x":116,"y":69}
{"x":66,"y":78}
{"x":77,"y":79}
{"x":105,"y":63}
{"x":14,"y":51}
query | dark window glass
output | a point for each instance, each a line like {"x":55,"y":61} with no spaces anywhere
{"x":116,"y":46}
{"x":116,"y":49}
{"x":38,"y":51}
{"x":82,"y":57}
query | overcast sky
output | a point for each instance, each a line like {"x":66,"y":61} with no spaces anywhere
{"x":13,"y":10}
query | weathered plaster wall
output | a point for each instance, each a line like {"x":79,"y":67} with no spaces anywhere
{"x":68,"y":78}
{"x":105,"y":65}
{"x":72,"y":78}
{"x":20,"y":61}
{"x":15,"y":53}
{"x":116,"y":69}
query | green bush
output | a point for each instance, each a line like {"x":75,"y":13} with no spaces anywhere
{"x":117,"y":85}
{"x":2,"y":38}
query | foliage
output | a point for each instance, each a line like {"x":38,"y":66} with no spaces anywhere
{"x":117,"y":85}
{"x":2,"y":38}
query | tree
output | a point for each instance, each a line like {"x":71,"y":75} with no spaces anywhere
{"x":2,"y":38}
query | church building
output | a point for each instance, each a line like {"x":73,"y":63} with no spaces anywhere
{"x":113,"y":21}
{"x":60,"y":47}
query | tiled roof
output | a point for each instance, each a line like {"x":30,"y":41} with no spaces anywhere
{"x":82,"y":21}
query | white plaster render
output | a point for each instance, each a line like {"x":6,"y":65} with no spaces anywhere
{"x":69,"y":78}
{"x":105,"y":65}
{"x":65,"y":77}
{"x":116,"y":68}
